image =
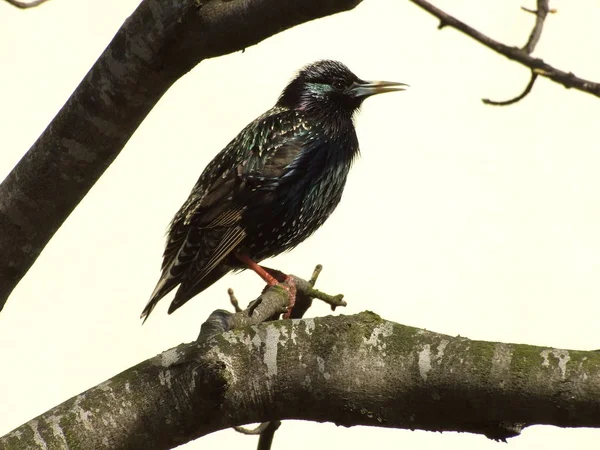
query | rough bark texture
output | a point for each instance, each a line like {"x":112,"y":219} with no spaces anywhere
{"x":158,"y":44}
{"x":374,"y":372}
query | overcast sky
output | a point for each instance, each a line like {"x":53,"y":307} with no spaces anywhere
{"x":459,"y":217}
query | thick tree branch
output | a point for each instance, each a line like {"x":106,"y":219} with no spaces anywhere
{"x":567,"y":79}
{"x":158,"y":44}
{"x":350,"y":370}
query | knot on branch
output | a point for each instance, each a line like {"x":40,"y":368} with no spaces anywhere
{"x":503,"y":431}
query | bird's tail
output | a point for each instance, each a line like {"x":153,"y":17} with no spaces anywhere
{"x":163,"y":287}
{"x":187,"y":291}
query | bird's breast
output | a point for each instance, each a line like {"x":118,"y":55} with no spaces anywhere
{"x":299,"y":205}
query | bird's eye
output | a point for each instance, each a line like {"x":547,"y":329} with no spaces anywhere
{"x":339,"y":85}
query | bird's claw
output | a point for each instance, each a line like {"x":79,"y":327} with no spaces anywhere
{"x":290,"y":286}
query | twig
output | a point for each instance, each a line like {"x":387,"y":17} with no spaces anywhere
{"x":252,"y":431}
{"x":533,"y":11}
{"x":268,"y":306}
{"x":333,"y":300}
{"x":266,"y":437}
{"x":521,"y":96}
{"x":534,"y":37}
{"x":266,"y":430}
{"x":536,"y":32}
{"x":567,"y":79}
{"x":315,"y":275}
{"x":233,"y":300}
{"x":25,"y":5}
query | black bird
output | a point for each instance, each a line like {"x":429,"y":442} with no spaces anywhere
{"x":271,"y":187}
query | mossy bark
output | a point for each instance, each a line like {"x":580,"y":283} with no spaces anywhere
{"x":350,"y":370}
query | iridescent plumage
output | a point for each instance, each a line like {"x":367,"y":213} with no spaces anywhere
{"x":272,"y":186}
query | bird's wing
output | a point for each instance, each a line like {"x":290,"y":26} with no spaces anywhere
{"x":201,"y":234}
{"x":216,"y":227}
{"x":208,"y":226}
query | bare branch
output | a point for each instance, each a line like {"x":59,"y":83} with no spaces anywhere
{"x":252,"y":431}
{"x":233,"y":300}
{"x":521,"y":96}
{"x":567,"y":79}
{"x":273,"y":302}
{"x":266,"y":436}
{"x":265,"y":430}
{"x":536,"y":32}
{"x":534,"y":37}
{"x":157,"y":44}
{"x":25,"y":5}
{"x":380,"y":374}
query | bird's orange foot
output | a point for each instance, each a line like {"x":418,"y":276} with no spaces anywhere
{"x":259,"y":270}
{"x":290,"y":286}
{"x":285,"y":281}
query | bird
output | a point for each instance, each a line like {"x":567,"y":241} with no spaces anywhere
{"x":271,"y":187}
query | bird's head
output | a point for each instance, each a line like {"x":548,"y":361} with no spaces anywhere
{"x":331,"y":85}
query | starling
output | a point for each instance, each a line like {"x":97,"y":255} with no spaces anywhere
{"x":271,"y":187}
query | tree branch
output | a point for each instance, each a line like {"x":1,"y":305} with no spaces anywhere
{"x":266,"y":436}
{"x":159,"y":43}
{"x":536,"y":33}
{"x":26,"y":5}
{"x":521,"y":96}
{"x":534,"y":37}
{"x":567,"y":79}
{"x":268,"y":306}
{"x":376,"y":373}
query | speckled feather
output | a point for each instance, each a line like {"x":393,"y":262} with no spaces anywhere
{"x":272,"y":186}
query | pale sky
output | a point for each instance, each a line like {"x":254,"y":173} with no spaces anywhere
{"x":459,"y":217}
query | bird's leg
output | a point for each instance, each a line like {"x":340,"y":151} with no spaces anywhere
{"x":287,"y":283}
{"x":289,"y":286}
{"x":266,"y":276}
